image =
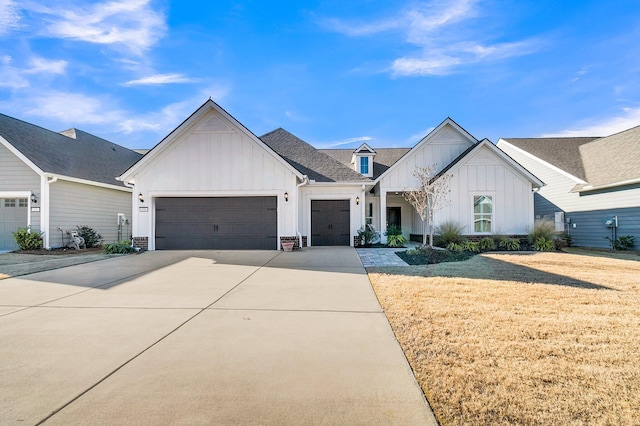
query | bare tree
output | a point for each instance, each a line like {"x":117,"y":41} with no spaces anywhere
{"x":431,"y":194}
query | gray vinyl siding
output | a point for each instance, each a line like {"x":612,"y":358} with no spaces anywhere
{"x":15,"y":175}
{"x":75,"y":204}
{"x":590,"y":230}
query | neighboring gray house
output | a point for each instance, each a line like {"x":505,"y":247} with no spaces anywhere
{"x":213,"y":184}
{"x":52,"y":180}
{"x":592,"y":184}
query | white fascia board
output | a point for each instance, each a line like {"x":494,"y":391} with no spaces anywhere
{"x":607,"y":185}
{"x":88,"y":182}
{"x":541,"y":161}
{"x":508,"y":160}
{"x":514,"y":164}
{"x":341,"y":184}
{"x":426,"y":139}
{"x":21,"y":156}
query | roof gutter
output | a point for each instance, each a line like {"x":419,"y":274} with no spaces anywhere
{"x":607,"y":185}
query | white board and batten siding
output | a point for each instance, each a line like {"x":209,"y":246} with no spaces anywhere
{"x":439,"y":150}
{"x":213,"y":158}
{"x":74,"y":204}
{"x":486,"y":174}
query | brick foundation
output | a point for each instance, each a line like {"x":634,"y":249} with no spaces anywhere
{"x":296,"y":244}
{"x":141,"y":242}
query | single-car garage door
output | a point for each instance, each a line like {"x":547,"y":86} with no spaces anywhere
{"x":330,"y":222}
{"x":223,"y":223}
{"x":13,"y":215}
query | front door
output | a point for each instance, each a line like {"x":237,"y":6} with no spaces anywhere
{"x":330,"y":222}
{"x":394,"y":217}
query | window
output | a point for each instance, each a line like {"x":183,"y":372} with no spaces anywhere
{"x":369,"y":214}
{"x":9,"y":202}
{"x":22,"y":202}
{"x":482,"y":213}
{"x":364,"y":165}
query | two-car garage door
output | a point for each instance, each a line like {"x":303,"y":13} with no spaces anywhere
{"x":223,"y":223}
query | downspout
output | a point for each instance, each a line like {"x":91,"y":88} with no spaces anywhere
{"x":305,"y":181}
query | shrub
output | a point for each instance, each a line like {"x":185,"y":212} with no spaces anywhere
{"x":449,"y":232}
{"x":28,"y":239}
{"x":625,"y":242}
{"x":542,"y":229}
{"x":566,"y":237}
{"x":455,"y":247}
{"x":119,"y":248}
{"x":396,"y":240}
{"x":393,"y":230}
{"x":91,"y":237}
{"x":510,"y":244}
{"x":487,"y":243}
{"x":366,"y":235}
{"x":471,"y":246}
{"x":543,"y":244}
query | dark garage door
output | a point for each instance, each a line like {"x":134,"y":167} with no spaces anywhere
{"x":330,"y":222}
{"x":223,"y":223}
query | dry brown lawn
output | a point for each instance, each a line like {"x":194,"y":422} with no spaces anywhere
{"x":545,"y":338}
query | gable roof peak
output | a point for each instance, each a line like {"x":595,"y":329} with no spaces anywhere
{"x":364,"y":148}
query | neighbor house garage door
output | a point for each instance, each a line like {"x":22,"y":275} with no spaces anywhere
{"x":225,"y":223}
{"x":13,"y":215}
{"x":330,"y":222}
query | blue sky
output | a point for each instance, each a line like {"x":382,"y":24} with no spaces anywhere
{"x":334,"y":73}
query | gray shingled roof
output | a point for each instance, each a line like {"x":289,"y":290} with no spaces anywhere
{"x":385,"y":158}
{"x":307,"y":160}
{"x":564,"y":153}
{"x":84,"y":156}
{"x":615,"y":158}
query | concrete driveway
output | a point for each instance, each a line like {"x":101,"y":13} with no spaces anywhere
{"x":203,"y":337}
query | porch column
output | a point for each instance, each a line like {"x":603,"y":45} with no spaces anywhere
{"x":383,"y":216}
{"x":363,"y":208}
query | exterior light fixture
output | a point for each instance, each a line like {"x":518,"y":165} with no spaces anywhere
{"x":140,"y":197}
{"x":286,"y":196}
{"x":34,"y":199}
{"x":357,"y":201}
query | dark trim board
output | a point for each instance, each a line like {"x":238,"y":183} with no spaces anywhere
{"x":219,"y":223}
{"x":330,"y":222}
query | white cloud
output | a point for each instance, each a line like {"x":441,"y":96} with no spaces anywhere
{"x":630,"y":118}
{"x":15,"y":78}
{"x":72,"y":108}
{"x":159,"y":79}
{"x":444,"y":45}
{"x":9,"y":16}
{"x":444,"y":61}
{"x":294,"y":116}
{"x":130,"y":23}
{"x":346,"y":143}
{"x":42,"y":65}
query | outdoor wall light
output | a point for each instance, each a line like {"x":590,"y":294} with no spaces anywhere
{"x":286,"y":196}
{"x":357,"y":201}
{"x":34,"y":199}
{"x":140,"y":197}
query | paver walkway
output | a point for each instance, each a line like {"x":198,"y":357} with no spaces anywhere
{"x":203,"y":337}
{"x":375,"y":257}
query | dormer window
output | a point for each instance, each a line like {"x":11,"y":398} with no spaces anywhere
{"x":362,"y":160}
{"x":364,"y":165}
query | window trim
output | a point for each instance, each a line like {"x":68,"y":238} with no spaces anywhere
{"x":492,"y":196}
{"x":366,"y":159}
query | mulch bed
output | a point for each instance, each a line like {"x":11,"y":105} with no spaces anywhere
{"x":61,"y":251}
